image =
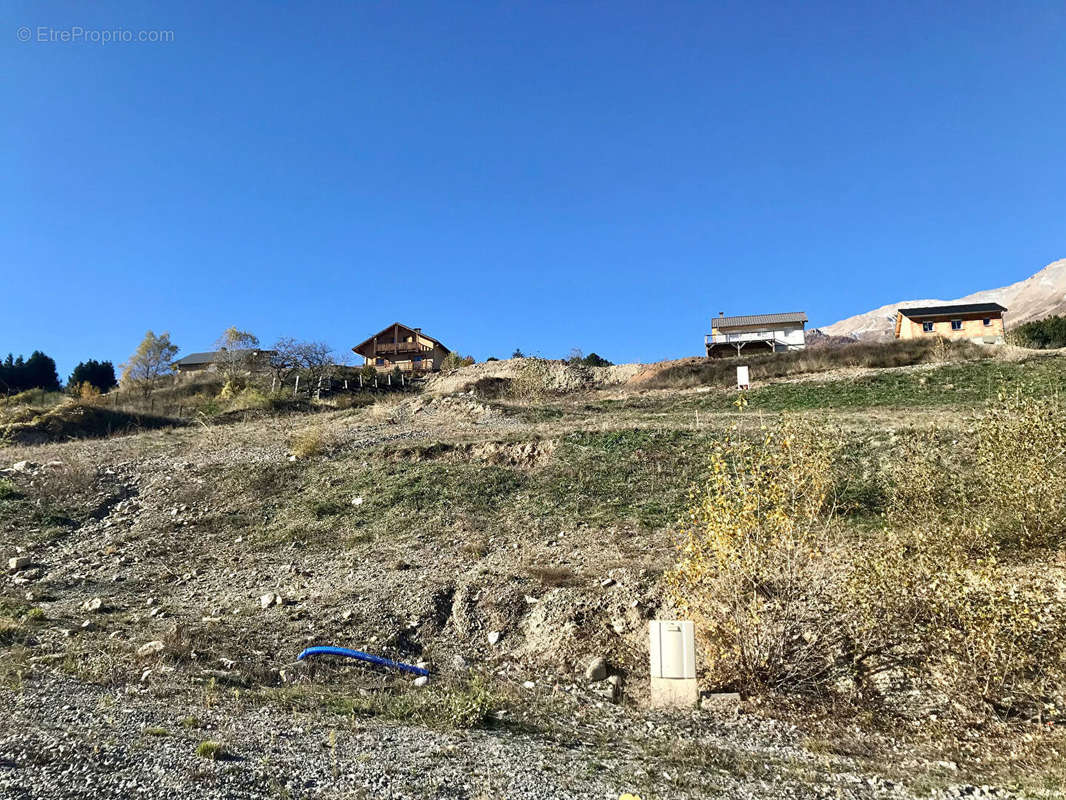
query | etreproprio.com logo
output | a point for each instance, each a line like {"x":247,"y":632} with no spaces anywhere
{"x":46,"y":34}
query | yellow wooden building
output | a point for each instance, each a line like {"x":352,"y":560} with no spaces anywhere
{"x":981,"y":323}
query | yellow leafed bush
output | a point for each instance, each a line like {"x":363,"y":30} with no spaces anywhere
{"x":944,"y":601}
{"x":751,"y":569}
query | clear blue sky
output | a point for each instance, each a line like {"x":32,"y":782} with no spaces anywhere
{"x":517,"y":174}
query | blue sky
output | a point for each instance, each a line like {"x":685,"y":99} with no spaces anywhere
{"x":517,"y":174}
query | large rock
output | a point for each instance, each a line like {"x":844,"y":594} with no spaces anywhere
{"x":19,"y":562}
{"x":723,"y":703}
{"x":597,"y":669}
{"x":150,"y":649}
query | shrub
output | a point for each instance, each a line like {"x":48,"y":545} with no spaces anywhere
{"x":307,"y":443}
{"x":212,"y":750}
{"x":944,"y":600}
{"x":247,"y":398}
{"x":11,"y":632}
{"x":1021,"y":469}
{"x":531,"y":380}
{"x":1041,"y":334}
{"x":63,"y":481}
{"x":578,"y":359}
{"x":750,"y":571}
{"x":454,"y":361}
{"x":462,"y":705}
{"x":953,"y":620}
{"x":85,"y":392}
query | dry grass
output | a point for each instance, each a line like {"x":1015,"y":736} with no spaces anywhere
{"x":391,"y":409}
{"x":722,"y":371}
{"x":553,"y":577}
{"x":476,"y":548}
{"x":308,"y":443}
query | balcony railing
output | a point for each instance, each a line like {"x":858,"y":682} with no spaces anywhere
{"x":746,"y":336}
{"x":401,"y":347}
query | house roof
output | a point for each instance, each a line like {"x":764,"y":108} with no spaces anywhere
{"x":947,"y":311}
{"x":196,"y":359}
{"x":758,"y":319}
{"x":389,"y":328}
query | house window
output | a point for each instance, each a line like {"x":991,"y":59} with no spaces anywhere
{"x":956,"y":324}
{"x":417,"y":359}
{"x":927,"y":327}
{"x":987,"y":322}
{"x":379,"y":362}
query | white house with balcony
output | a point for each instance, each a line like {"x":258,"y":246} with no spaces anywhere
{"x":756,"y":333}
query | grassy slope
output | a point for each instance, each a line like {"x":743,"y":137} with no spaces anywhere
{"x":630,"y":478}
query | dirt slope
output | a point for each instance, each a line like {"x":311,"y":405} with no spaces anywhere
{"x":558,"y":376}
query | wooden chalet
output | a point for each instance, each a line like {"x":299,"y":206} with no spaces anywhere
{"x":404,"y":347}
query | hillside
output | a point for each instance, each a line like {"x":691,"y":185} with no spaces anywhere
{"x":1038,"y":296}
{"x":165,"y":580}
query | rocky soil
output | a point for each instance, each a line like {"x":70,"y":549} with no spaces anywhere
{"x":160,"y":586}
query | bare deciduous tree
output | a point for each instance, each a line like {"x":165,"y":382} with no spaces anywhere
{"x":283,"y":361}
{"x":313,"y":361}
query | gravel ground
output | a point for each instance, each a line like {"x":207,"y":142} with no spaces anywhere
{"x":65,"y":739}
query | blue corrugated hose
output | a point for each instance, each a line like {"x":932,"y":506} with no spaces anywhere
{"x":327,"y":650}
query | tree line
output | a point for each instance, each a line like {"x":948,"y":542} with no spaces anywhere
{"x":39,"y":372}
{"x":1043,"y":334}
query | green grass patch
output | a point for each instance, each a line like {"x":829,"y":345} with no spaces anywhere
{"x":212,"y":750}
{"x":36,"y":523}
{"x":451,"y":705}
{"x":634,"y":476}
{"x":967,"y":385}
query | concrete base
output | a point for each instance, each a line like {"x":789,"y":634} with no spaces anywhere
{"x":674,"y":692}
